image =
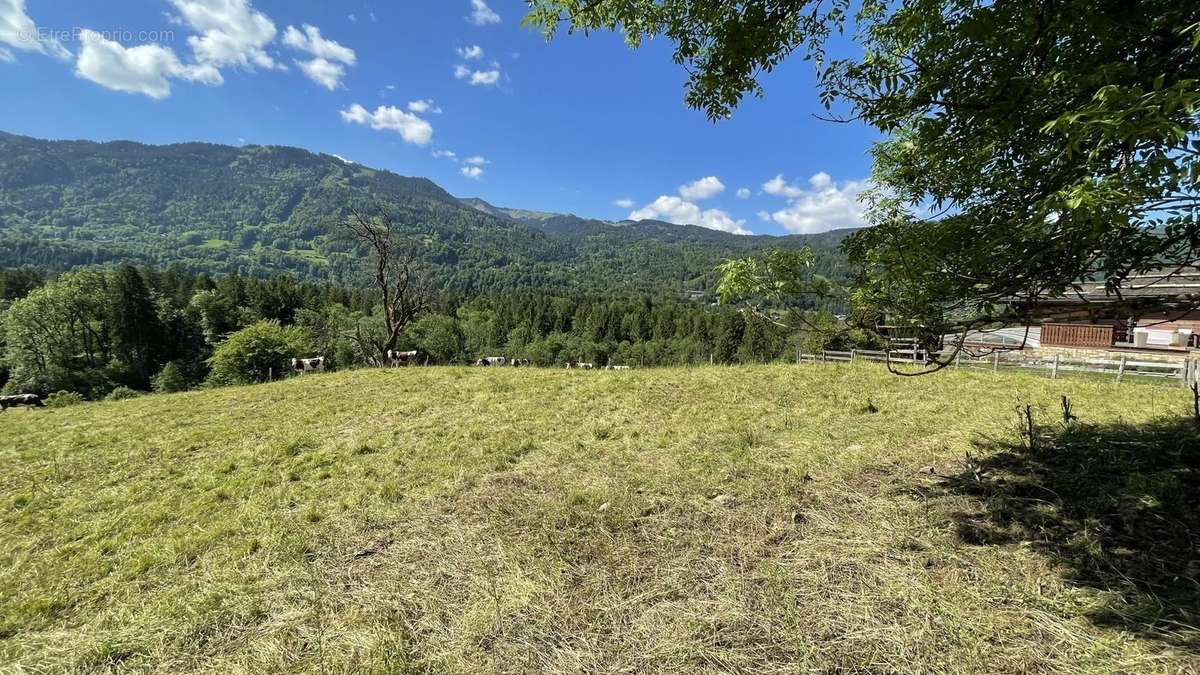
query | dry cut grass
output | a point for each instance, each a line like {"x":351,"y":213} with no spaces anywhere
{"x":756,"y":519}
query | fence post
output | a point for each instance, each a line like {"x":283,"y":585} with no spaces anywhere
{"x":995,"y":361}
{"x":852,"y":355}
{"x":1121,"y":369}
{"x":1054,"y":372}
{"x":799,"y":355}
{"x":957,"y":359}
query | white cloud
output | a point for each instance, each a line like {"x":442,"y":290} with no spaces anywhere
{"x":743,"y":193}
{"x":145,"y":69}
{"x":485,"y":78}
{"x":476,"y":160}
{"x":18,"y":31}
{"x":472,"y":172}
{"x":353,"y":19}
{"x":703,"y":188}
{"x":472,"y":53}
{"x":624,"y":203}
{"x":328,"y":65}
{"x":477,"y":77}
{"x":322,"y":71}
{"x":824,"y":205}
{"x":425,"y":105}
{"x":445,"y":154}
{"x":311,"y":41}
{"x":481,"y":14}
{"x":682,"y":212}
{"x":411,"y":128}
{"x":232,"y":32}
{"x":779,"y":187}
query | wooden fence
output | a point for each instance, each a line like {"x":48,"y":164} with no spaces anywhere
{"x":1078,"y":335}
{"x":1187,"y":372}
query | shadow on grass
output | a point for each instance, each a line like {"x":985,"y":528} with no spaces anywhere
{"x":1117,"y":506}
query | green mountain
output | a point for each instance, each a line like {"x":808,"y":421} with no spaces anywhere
{"x":263,"y":210}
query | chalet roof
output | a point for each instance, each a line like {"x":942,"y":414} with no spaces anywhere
{"x":1164,"y":283}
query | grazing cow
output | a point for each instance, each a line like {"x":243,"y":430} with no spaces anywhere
{"x":516,"y":363}
{"x":302,"y":366}
{"x":31,"y":400}
{"x":616,"y":367}
{"x":492,"y":361}
{"x":581,"y":365}
{"x":396,"y":359}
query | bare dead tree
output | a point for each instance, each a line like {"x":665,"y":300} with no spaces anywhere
{"x":402,"y":285}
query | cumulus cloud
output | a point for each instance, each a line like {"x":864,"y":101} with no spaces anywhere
{"x":822,"y":206}
{"x":472,"y":172}
{"x":425,"y":105}
{"x":682,"y":212}
{"x":743,"y":193}
{"x":411,"y":128}
{"x":703,"y":188}
{"x":19,"y":32}
{"x":329,"y":58}
{"x":310,"y":40}
{"x":625,"y":203}
{"x":231,"y":32}
{"x":476,"y":160}
{"x":145,"y":69}
{"x":472,"y":53}
{"x":478,"y":77}
{"x":481,"y":14}
{"x":445,"y":154}
{"x":322,"y":71}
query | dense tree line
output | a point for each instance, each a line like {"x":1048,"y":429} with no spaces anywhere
{"x":94,"y":330}
{"x":97,"y":330}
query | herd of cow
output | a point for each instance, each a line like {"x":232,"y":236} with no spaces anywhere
{"x":571,"y":365}
{"x":396,"y":359}
{"x":316,"y":364}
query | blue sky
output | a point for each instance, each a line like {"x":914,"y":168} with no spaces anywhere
{"x":579,"y":125}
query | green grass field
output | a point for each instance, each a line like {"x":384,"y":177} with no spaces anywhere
{"x":765,"y":519}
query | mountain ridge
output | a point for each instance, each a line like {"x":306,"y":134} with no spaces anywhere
{"x":269,"y":209}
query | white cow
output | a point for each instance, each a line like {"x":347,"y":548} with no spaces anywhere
{"x":396,"y":359}
{"x":302,"y":366}
{"x":492,"y":361}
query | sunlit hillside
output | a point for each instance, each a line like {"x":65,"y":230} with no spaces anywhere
{"x":767,"y":519}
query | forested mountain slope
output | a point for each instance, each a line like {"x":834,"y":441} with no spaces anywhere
{"x":264,"y":210}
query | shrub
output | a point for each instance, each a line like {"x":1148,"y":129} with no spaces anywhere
{"x":170,"y":379}
{"x":63,"y":399}
{"x":257,"y":353}
{"x":122,"y":393}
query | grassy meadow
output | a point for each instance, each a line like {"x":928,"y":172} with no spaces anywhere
{"x":754,"y":519}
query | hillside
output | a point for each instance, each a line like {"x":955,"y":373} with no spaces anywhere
{"x":752,"y":519}
{"x":264,"y":210}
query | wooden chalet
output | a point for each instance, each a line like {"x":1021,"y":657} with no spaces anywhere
{"x":1158,"y":310}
